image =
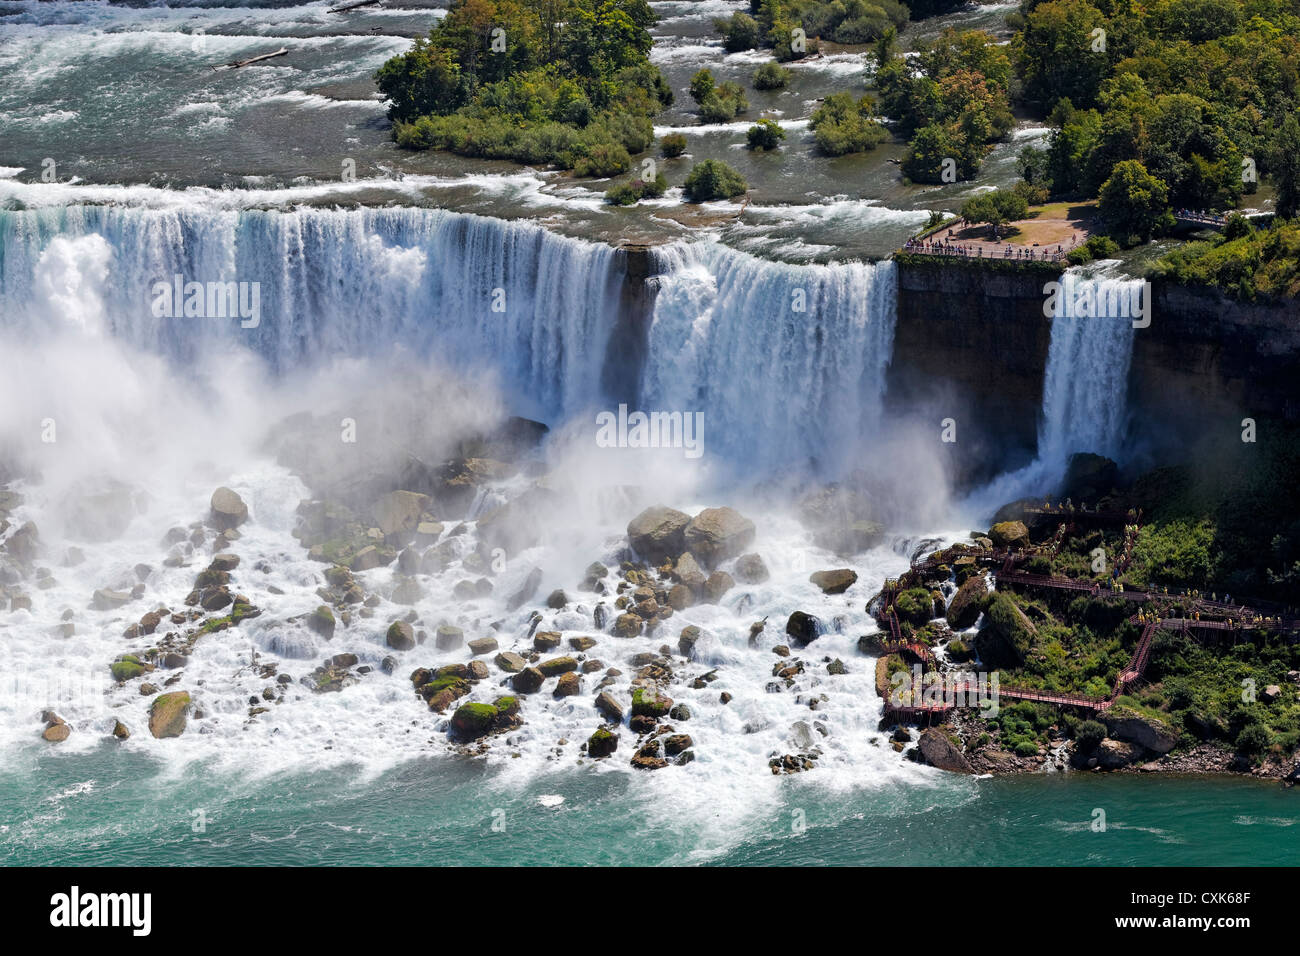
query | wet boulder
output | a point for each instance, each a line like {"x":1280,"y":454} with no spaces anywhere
{"x":609,"y":708}
{"x":966,"y":604}
{"x":400,"y":636}
{"x":834,"y":582}
{"x":106,"y":599}
{"x":803,"y":628}
{"x":168,"y":713}
{"x":397,"y":513}
{"x":750,"y":569}
{"x":658,"y":533}
{"x":719,"y":534}
{"x":510,"y":662}
{"x":939,"y":750}
{"x":569,"y":685}
{"x":528,"y":681}
{"x":227,"y":509}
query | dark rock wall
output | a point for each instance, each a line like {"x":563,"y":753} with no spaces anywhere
{"x":971,"y":344}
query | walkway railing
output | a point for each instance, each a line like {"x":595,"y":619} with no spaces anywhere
{"x":1236,"y":617}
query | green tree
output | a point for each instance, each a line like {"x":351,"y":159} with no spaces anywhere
{"x":1057,"y":54}
{"x":741,"y":32}
{"x":1134,"y":204}
{"x":424,"y":80}
{"x":995,"y":208}
{"x":843,"y":125}
{"x":765,"y":134}
{"x":701,"y":85}
{"x":924,"y":161}
{"x":1285,"y":164}
{"x":713,"y":179}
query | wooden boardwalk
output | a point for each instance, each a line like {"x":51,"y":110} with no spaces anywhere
{"x":1197,"y":613}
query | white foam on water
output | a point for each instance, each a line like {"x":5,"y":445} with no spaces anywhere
{"x":178,"y":410}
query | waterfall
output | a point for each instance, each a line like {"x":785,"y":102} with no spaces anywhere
{"x":1085,"y":385}
{"x":509,"y":297}
{"x":786,"y":361}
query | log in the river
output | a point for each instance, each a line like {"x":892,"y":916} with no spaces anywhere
{"x":236,"y":64}
{"x":350,"y":5}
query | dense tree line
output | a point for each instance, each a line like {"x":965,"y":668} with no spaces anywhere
{"x":950,"y":99}
{"x":564,"y":82}
{"x":1160,"y":105}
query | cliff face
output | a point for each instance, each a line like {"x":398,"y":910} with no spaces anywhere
{"x":1206,"y":356}
{"x":971,"y":345}
{"x":625,"y":356}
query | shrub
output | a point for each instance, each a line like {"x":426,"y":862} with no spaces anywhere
{"x":713,"y":179}
{"x":633,"y":191}
{"x":741,"y":32}
{"x":701,"y":85}
{"x":603,"y":159}
{"x":1097,"y":247}
{"x":673,"y":144}
{"x":842,"y":125}
{"x":771,"y":76}
{"x":1253,"y":739}
{"x":765,"y":134}
{"x":723,"y":103}
{"x":1089,"y":734}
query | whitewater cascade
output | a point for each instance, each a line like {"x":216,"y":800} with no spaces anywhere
{"x":1085,"y":385}
{"x":787,"y":361}
{"x":508,"y":297}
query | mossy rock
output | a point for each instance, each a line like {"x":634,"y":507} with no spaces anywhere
{"x":400,"y":636}
{"x":127,"y":668}
{"x":322,"y":622}
{"x":1008,"y":634}
{"x":239,"y":611}
{"x":338,"y":576}
{"x":472,"y":721}
{"x":602,"y":743}
{"x":557,"y":666}
{"x":649,"y":703}
{"x":167,"y":714}
{"x":1009,"y":534}
{"x":915,"y":606}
